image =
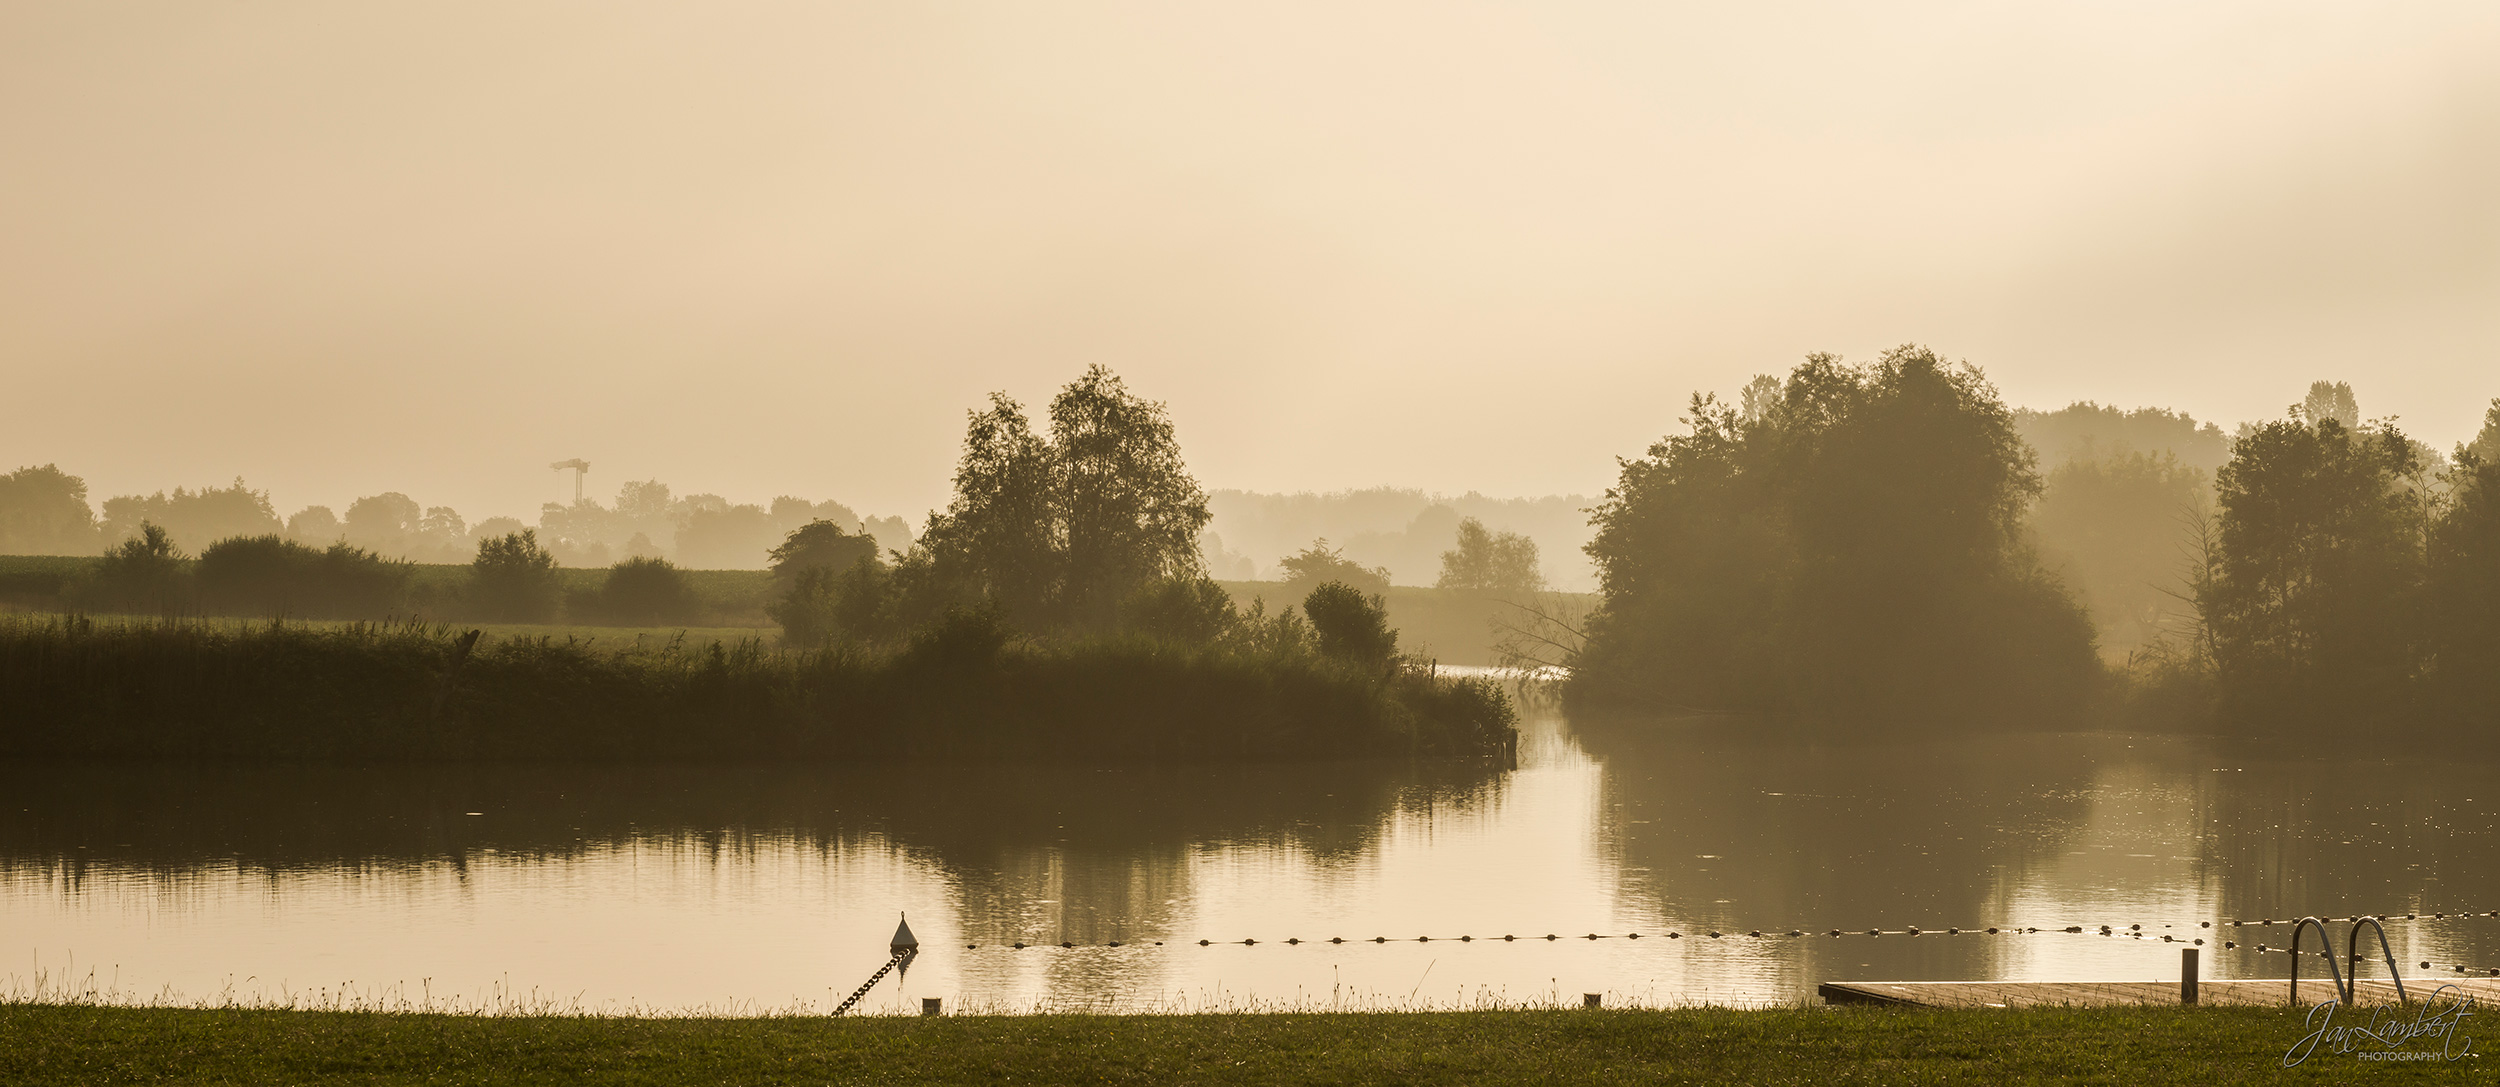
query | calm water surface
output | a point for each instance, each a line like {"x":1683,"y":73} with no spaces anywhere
{"x":764,"y":888}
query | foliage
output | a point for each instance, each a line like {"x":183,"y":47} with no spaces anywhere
{"x":2313,"y":605}
{"x":645,"y":592}
{"x":1128,"y":509}
{"x":961,"y":687}
{"x":819,"y":545}
{"x":193,"y":518}
{"x":315,"y":525}
{"x":2084,"y":431}
{"x":274,"y":576}
{"x":828,"y":604}
{"x":384,"y":522}
{"x":1485,"y":561}
{"x":1185,"y":611}
{"x":2486,"y":444}
{"x":2462,"y":621}
{"x":1000,"y":538}
{"x":1320,"y":563}
{"x":513,"y":579}
{"x":1350,"y":625}
{"x":43,"y":511}
{"x":1853,"y":553}
{"x":1059,"y":532}
{"x":145,"y":573}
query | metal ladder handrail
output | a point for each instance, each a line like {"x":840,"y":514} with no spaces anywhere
{"x":2326,"y":949}
{"x":2352,"y":954}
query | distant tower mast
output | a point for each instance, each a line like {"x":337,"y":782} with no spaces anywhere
{"x":580,"y":468}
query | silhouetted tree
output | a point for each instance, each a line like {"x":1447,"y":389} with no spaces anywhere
{"x":315,"y":525}
{"x":1129,"y":510}
{"x":2313,"y":606}
{"x":145,"y":573}
{"x":2331,"y":400}
{"x":829,"y":584}
{"x":513,"y":579}
{"x":2463,"y":616}
{"x":1854,"y":552}
{"x":193,"y":519}
{"x":1060,"y":532}
{"x":1485,"y":561}
{"x":385,"y":523}
{"x":818,"y":545}
{"x":1320,"y":563}
{"x":1350,"y":625}
{"x":999,"y":538}
{"x":43,"y":511}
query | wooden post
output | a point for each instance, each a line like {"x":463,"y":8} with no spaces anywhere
{"x":929,"y":1006}
{"x":2187,"y":975}
{"x":1592,"y":1000}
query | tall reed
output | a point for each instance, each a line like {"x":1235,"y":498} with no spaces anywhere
{"x":70,"y":686}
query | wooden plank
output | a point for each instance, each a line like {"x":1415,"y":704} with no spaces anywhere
{"x":2234,"y":991}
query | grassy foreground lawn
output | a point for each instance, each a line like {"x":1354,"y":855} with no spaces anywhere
{"x":46,"y":1044}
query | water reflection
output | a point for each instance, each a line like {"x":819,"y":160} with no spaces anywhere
{"x":627,"y":887}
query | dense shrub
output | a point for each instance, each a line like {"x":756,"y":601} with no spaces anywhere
{"x":1351,"y":626}
{"x":642,"y":592}
{"x":513,"y":579}
{"x":275,"y":576}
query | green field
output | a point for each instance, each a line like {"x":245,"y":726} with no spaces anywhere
{"x":53,"y":1044}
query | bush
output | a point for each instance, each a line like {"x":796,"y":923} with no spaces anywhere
{"x":1189,"y":611}
{"x":826,"y":605}
{"x":1351,"y":626}
{"x":275,"y":576}
{"x":645,"y":592}
{"x":145,"y":573}
{"x":513,"y":579}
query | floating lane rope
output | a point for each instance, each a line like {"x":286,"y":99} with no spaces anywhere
{"x":2132,"y":931}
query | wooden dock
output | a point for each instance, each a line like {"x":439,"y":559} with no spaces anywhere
{"x":2273,"y":992}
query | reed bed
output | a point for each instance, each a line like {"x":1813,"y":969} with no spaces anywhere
{"x":72,"y":687}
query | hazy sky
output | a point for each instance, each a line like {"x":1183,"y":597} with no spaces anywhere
{"x":756,"y":248}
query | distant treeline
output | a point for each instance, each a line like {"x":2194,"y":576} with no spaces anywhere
{"x":964,"y":688}
{"x":1862,"y":546}
{"x":1400,"y":532}
{"x":44,"y":511}
{"x":1058,"y":606}
{"x":512,"y":580}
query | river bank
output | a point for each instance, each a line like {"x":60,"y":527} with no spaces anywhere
{"x":55,"y":1044}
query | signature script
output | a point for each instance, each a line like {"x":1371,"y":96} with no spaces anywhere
{"x":2436,"y":1017}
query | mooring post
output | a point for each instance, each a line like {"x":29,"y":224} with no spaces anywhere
{"x":1592,"y":1000}
{"x":2187,"y":975}
{"x":929,"y":1006}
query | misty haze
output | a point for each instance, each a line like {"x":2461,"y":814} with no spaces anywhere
{"x":1286,"y":543}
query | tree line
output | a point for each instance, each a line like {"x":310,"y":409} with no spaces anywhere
{"x":1856,"y":544}
{"x":510,"y":579}
{"x":45,"y":511}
